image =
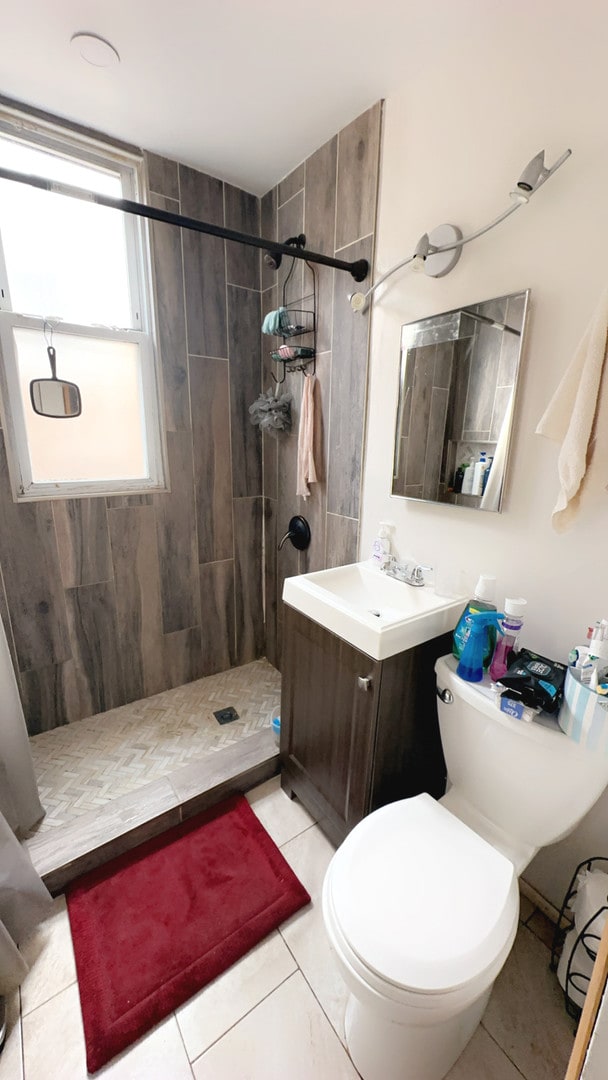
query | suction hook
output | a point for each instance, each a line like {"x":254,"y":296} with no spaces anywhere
{"x":298,"y":532}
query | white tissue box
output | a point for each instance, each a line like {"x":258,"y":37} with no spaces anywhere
{"x":584,"y":715}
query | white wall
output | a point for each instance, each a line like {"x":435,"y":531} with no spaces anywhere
{"x":456,"y":138}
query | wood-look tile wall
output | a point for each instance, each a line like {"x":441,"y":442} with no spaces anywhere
{"x":332,"y":198}
{"x":107,"y":600}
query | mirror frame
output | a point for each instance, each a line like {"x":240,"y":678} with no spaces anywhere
{"x":437,"y":326}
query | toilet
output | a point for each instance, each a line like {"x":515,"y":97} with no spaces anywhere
{"x":421,"y":901}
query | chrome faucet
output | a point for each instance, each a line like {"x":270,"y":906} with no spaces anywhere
{"x":411,"y":572}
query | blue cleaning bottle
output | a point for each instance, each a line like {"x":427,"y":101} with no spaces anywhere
{"x":470,"y":666}
{"x":483,"y":600}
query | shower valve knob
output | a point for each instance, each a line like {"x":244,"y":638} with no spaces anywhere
{"x":298,"y":532}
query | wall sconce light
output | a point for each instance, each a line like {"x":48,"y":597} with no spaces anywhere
{"x":437,"y":252}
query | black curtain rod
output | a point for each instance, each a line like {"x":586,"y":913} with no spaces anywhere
{"x":359,"y":269}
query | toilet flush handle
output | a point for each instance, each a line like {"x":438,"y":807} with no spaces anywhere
{"x":446,"y":696}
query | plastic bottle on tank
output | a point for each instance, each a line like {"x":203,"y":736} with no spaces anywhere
{"x":483,"y":600}
{"x":506,"y":645}
{"x":470,"y":666}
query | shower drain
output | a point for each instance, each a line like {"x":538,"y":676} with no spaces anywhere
{"x":226,"y":716}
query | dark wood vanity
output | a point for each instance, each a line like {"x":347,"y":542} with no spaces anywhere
{"x":356,"y":733}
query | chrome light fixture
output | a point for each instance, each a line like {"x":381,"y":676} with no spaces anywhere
{"x":437,"y":252}
{"x":421,"y":253}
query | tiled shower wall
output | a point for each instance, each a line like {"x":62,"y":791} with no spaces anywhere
{"x":106,"y":600}
{"x":331,"y":198}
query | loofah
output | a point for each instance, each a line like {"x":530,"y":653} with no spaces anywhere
{"x":272,"y":414}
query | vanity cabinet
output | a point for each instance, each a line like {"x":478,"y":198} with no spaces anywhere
{"x":356,"y":733}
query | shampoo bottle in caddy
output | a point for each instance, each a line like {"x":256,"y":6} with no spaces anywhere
{"x":483,"y":600}
{"x":478,"y":474}
{"x":467,"y":480}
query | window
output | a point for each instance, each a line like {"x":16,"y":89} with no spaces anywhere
{"x":75,"y":275}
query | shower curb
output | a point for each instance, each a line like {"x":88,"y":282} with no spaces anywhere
{"x":63,"y":854}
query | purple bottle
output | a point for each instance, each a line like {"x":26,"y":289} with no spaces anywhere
{"x":511,"y":625}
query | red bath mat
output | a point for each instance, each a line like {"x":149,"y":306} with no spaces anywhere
{"x":155,"y":925}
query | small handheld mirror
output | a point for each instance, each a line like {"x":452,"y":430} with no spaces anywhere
{"x":55,"y":397}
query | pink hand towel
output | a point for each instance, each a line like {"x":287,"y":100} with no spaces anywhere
{"x":307,"y":473}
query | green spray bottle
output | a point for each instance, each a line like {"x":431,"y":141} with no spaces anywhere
{"x":470,"y":667}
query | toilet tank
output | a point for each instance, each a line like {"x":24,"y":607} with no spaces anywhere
{"x":528,"y":779}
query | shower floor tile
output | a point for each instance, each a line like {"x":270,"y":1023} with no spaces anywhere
{"x":81,"y":767}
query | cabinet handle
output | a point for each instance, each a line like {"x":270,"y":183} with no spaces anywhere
{"x":363,"y":682}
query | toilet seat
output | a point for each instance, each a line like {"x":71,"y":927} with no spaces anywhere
{"x":421,"y":902}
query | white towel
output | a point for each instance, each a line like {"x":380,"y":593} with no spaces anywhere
{"x":307,"y":473}
{"x":577,"y":416}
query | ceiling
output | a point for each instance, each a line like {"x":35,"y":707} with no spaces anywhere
{"x":246,"y":89}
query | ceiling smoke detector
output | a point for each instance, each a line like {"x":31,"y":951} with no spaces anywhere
{"x":95,"y":49}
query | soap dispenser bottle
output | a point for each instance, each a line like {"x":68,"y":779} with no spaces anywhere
{"x":381,"y":547}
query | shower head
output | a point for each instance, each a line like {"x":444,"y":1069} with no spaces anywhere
{"x":273,"y":259}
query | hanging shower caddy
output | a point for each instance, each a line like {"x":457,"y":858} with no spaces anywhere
{"x":587,"y":942}
{"x":298,"y":329}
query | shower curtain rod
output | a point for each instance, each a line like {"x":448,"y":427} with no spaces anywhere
{"x":359,"y":269}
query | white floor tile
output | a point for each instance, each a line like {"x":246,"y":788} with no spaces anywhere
{"x":208,"y":1015}
{"x":307,"y":940}
{"x":53,"y":1043}
{"x":484,"y":1060}
{"x":282,"y":817}
{"x":11,"y":1066}
{"x":309,"y":855}
{"x":286,"y":1036}
{"x":526,"y":1014}
{"x":160,"y":1055}
{"x":53,"y":1040}
{"x":50,"y":956}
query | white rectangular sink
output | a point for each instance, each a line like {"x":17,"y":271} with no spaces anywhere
{"x":375,"y":613}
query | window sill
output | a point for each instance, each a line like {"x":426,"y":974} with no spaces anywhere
{"x":50,"y":492}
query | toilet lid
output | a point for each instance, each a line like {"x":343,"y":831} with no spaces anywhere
{"x":421,"y":898}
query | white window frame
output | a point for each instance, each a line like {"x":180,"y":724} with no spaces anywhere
{"x":81,"y":148}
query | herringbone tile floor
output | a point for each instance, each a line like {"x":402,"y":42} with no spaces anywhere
{"x":82,"y":766}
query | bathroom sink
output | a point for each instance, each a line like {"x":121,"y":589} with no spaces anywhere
{"x":373,"y":612}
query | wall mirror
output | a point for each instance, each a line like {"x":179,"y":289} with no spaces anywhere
{"x":457,"y":384}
